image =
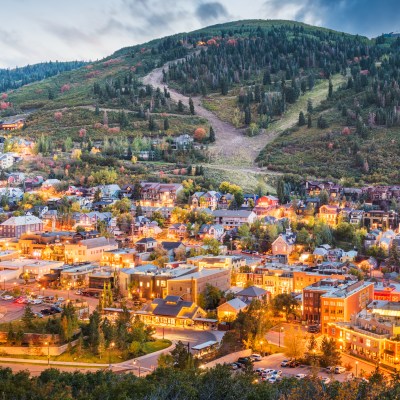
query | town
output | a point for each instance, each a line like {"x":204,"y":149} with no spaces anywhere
{"x":323,"y":267}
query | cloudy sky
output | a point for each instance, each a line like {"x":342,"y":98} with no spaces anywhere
{"x":39,"y":30}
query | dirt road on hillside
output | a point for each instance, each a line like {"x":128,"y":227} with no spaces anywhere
{"x":231,"y":145}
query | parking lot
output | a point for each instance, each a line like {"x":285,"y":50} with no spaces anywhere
{"x":274,"y":362}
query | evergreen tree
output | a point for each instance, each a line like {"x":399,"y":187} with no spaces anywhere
{"x":166,"y":124}
{"x":330,"y":90}
{"x":247,"y":116}
{"x":212,"y":135}
{"x":191,"y":106}
{"x":28,"y":317}
{"x":180,"y":106}
{"x":302,"y":119}
{"x":309,"y":120}
{"x":97,"y":110}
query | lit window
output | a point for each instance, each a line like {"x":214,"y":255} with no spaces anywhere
{"x":368,"y":342}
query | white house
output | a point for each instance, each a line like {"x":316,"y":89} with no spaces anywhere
{"x":233,"y":218}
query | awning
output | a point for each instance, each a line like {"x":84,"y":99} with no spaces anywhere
{"x":211,"y":321}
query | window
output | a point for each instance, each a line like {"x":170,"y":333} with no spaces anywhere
{"x":148,"y":284}
{"x":368,"y":342}
{"x":140,"y":284}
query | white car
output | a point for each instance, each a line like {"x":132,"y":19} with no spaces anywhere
{"x":268,"y":371}
{"x":340,"y":370}
{"x":285,"y":363}
{"x":36,"y":301}
{"x":60,"y":299}
{"x":272,"y":379}
{"x":256,"y":357}
{"x":277,"y":372}
{"x":300,"y":376}
{"x":8,"y":297}
{"x":40,"y":297}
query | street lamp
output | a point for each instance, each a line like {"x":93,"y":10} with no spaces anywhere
{"x":230,"y":239}
{"x":356,"y":369}
{"x":48,"y":352}
{"x":280,"y":330}
{"x":135,"y":361}
{"x":112,"y":344}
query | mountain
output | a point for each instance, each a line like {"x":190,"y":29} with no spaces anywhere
{"x":252,"y":79}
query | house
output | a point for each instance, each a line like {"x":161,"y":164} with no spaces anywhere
{"x":12,"y":123}
{"x":16,"y":226}
{"x":177,"y":231}
{"x":156,"y":194}
{"x":76,"y":276}
{"x":6,"y":160}
{"x":109,"y":191}
{"x":91,"y":219}
{"x":146,"y":245}
{"x":378,"y":219}
{"x":356,"y":217}
{"x":228,"y":311}
{"x":251,"y":293}
{"x":329,"y":214}
{"x":172,"y":311}
{"x":16,"y":178}
{"x":233,"y":218}
{"x":182,"y":142}
{"x":205,"y":200}
{"x":172,"y":248}
{"x":89,"y":249}
{"x":214,"y":231}
{"x":284,"y":244}
{"x":265,"y":204}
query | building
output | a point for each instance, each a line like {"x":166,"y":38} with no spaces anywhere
{"x":12,"y":123}
{"x":265,"y":204}
{"x":228,"y":262}
{"x":172,"y":311}
{"x":329,"y":214}
{"x":378,"y":219}
{"x":233,"y":218}
{"x":190,"y":286}
{"x":334,"y":300}
{"x":119,"y":258}
{"x":88,"y":250}
{"x":283,"y":245}
{"x":148,"y":281}
{"x":156,"y":194}
{"x":16,"y":226}
{"x":229,"y":310}
{"x":99,"y":279}
{"x":214,"y":231}
{"x":6,"y":160}
{"x":146,"y":245}
{"x":252,"y":293}
{"x":372,"y":334}
{"x":76,"y":276}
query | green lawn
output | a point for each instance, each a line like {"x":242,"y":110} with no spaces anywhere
{"x":86,"y":356}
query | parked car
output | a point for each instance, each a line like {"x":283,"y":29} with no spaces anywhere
{"x":38,"y":315}
{"x":285,"y":363}
{"x":340,"y":370}
{"x":330,"y":370}
{"x":300,"y":376}
{"x":256,"y":357}
{"x":277,"y":372}
{"x":294,"y":364}
{"x":56,"y":309}
{"x":36,"y":301}
{"x":313,"y":329}
{"x":259,"y":371}
{"x":60,"y":299}
{"x":272,"y":379}
{"x":40,"y":297}
{"x":243,"y":361}
{"x":234,"y":366}
{"x":7,"y":297}
{"x":45,"y":311}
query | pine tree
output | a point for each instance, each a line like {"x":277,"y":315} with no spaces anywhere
{"x":166,"y":124}
{"x":97,"y":110}
{"x":212,"y":135}
{"x":28,"y":317}
{"x":191,"y":106}
{"x":330,"y":90}
{"x":302,"y":119}
{"x":309,"y":121}
{"x":180,"y":106}
{"x":247,"y":116}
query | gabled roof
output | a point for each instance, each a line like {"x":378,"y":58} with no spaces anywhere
{"x":21,"y":221}
{"x":252,"y":291}
{"x":146,"y":240}
{"x":171,"y":245}
{"x":235,"y":303}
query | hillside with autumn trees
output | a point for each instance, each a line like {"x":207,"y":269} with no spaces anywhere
{"x":315,"y":102}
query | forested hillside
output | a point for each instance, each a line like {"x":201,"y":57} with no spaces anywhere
{"x":20,"y":76}
{"x":257,"y":76}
